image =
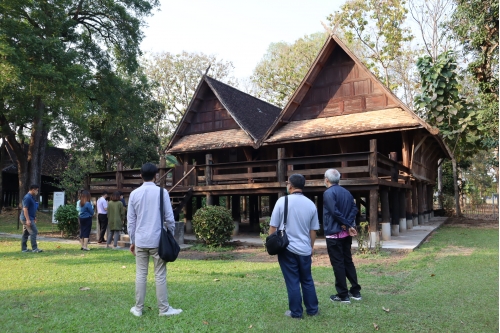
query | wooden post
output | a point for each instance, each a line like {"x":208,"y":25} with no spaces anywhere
{"x":245,"y":206}
{"x":394,"y":206}
{"x":402,"y":210}
{"x":119,"y":176}
{"x":188,"y":216}
{"x":259,"y":206}
{"x":272,"y":202}
{"x":210,"y":199}
{"x":185,"y":181}
{"x":394,"y":156}
{"x":228,"y":202}
{"x":420,"y":203}
{"x":425,"y":197}
{"x":253,"y":213}
{"x":386,"y":214}
{"x":374,"y":239}
{"x":409,"y":222}
{"x":163,"y":166}
{"x":430,"y":207}
{"x":195,"y":175}
{"x":198,"y":202}
{"x":281,"y":168}
{"x":208,"y":169}
{"x":414,"y":203}
{"x":235,"y":212}
{"x":372,"y":160}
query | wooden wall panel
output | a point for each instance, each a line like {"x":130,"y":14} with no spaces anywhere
{"x":341,"y":87}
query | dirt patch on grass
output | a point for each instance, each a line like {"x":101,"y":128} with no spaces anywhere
{"x":464,"y":222}
{"x":257,"y":254}
{"x":454,"y":251}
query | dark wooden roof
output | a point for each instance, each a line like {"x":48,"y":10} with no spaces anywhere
{"x":217,"y":109}
{"x":338,"y":85}
{"x":53,"y":164}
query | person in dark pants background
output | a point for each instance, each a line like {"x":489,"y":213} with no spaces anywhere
{"x":102,"y":216}
{"x":339,"y":214}
{"x":295,"y":261}
{"x":28,"y":219}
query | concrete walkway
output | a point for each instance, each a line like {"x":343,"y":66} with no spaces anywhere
{"x":409,"y":240}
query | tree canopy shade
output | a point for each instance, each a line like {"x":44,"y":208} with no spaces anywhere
{"x":51,"y":54}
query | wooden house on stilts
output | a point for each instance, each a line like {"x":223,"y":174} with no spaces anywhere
{"x":341,"y":116}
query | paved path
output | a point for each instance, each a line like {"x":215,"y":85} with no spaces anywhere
{"x":409,"y":240}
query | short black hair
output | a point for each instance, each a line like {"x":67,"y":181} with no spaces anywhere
{"x":297,"y":181}
{"x":148,"y":171}
{"x":104,"y":192}
{"x":34,"y":186}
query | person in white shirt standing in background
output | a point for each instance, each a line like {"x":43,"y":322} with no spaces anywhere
{"x":144,"y":228}
{"x":102,"y":216}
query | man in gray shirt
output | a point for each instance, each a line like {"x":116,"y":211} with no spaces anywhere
{"x":295,"y":261}
{"x":144,"y":227}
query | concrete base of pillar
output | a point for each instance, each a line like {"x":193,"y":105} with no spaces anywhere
{"x":179,"y":232}
{"x":374,"y":239}
{"x":415,"y":220}
{"x":402,"y":225}
{"x":236,"y":229}
{"x":420,"y":219}
{"x":426,"y":217}
{"x":432,"y":214}
{"x":386,"y":231}
{"x":394,"y":229}
{"x":409,"y":224}
{"x":189,"y":227}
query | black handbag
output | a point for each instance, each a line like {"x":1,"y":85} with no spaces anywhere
{"x":278,"y":240}
{"x":168,"y":250}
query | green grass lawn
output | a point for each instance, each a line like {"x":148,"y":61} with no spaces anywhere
{"x":449,"y":285}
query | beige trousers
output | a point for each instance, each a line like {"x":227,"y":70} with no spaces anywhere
{"x":160,"y":266}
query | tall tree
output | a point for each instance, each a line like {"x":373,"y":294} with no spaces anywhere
{"x":50,"y":51}
{"x":174,"y":78}
{"x":443,"y":107}
{"x":379,"y":26}
{"x":283,"y":67}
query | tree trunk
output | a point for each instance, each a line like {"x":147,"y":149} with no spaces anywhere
{"x":36,"y":151}
{"x":455,"y":185}
{"x":2,"y":164}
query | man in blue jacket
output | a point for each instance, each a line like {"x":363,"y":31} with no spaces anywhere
{"x":28,"y":219}
{"x":339,"y":214}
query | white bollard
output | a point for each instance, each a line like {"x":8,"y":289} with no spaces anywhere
{"x":386,"y":231}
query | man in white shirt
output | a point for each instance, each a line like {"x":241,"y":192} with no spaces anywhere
{"x":102,"y":216}
{"x":144,"y":228}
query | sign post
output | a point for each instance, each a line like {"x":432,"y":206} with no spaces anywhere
{"x":58,"y":201}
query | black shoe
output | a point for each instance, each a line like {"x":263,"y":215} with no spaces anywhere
{"x":356,"y":297}
{"x":337,"y":298}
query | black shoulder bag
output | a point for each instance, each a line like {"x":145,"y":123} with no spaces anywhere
{"x":168,"y":249}
{"x":278,"y":240}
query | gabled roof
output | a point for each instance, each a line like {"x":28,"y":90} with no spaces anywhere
{"x":285,"y":124}
{"x":253,"y":116}
{"x":54,"y":162}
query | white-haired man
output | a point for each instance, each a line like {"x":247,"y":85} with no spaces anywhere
{"x":339,"y":214}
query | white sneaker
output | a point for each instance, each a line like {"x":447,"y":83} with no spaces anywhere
{"x":170,"y":312}
{"x":135,"y":312}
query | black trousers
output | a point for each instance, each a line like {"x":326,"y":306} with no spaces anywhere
{"x":339,"y":251}
{"x":103,"y":226}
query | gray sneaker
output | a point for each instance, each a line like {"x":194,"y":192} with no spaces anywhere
{"x":37,"y":251}
{"x":356,"y":297}
{"x":26,"y":251}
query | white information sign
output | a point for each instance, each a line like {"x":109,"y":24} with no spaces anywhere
{"x":58,"y":201}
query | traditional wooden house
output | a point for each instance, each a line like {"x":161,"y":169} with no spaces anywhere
{"x":341,"y":116}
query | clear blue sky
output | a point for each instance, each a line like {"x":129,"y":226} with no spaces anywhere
{"x":238,"y":31}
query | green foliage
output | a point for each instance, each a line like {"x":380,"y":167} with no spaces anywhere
{"x":379,"y":26}
{"x":67,"y":219}
{"x":283,"y":67}
{"x":72,"y":179}
{"x":213,"y":225}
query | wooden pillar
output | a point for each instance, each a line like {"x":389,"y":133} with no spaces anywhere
{"x":228,"y":202}
{"x":373,"y":217}
{"x":245,"y":206}
{"x":163,"y":166}
{"x":259,"y":206}
{"x":414,"y":203}
{"x":430,"y":208}
{"x":402,"y":210}
{"x":210,"y":199}
{"x":394,"y":206}
{"x":235,"y":212}
{"x":409,"y":221}
{"x":319,"y":208}
{"x":272,"y":202}
{"x":426,"y":203}
{"x":372,"y":160}
{"x":208,"y":169}
{"x":188,"y":216}
{"x":198,"y":202}
{"x":253,"y":211}
{"x":281,"y":167}
{"x":119,"y":176}
{"x":357,"y":197}
{"x":386,"y":214}
{"x":420,"y":203}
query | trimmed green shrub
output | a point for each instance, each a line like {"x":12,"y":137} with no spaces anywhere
{"x":67,"y":219}
{"x":213,"y":225}
{"x":264,"y":230}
